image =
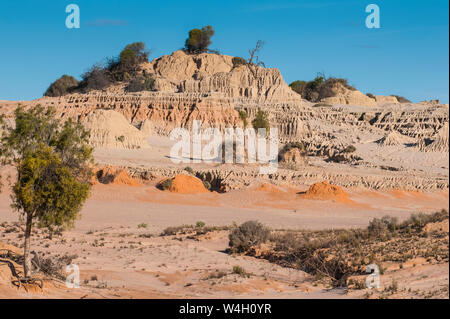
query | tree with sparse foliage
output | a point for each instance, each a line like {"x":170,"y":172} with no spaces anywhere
{"x":61,"y":86}
{"x":199,"y":40}
{"x":298,"y":86}
{"x":261,"y":120}
{"x":53,"y":163}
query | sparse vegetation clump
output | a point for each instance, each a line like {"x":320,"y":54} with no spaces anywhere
{"x":199,"y":228}
{"x":207,"y":185}
{"x":349,"y":149}
{"x":243,"y":117}
{"x":238,"y":270}
{"x":335,"y":255}
{"x":124,"y":68}
{"x":291,"y":145}
{"x":165,"y":184}
{"x":53,"y":163}
{"x":199,"y":40}
{"x":261,"y":120}
{"x":96,"y":78}
{"x":247,"y":235}
{"x":189,"y":170}
{"x":402,"y":99}
{"x":62,"y":86}
{"x":238,"y":61}
{"x":141,"y":83}
{"x":319,"y":88}
{"x":298,"y":86}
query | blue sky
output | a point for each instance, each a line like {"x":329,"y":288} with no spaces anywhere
{"x":408,"y":55}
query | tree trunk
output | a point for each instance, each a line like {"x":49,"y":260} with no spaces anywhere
{"x":26,"y":247}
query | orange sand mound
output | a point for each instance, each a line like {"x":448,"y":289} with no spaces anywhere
{"x":325,"y":191}
{"x":185,"y":184}
{"x":115,"y":176}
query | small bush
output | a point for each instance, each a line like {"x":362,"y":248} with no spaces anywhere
{"x":96,"y":78}
{"x":200,"y":224}
{"x":141,"y":83}
{"x":237,"y":61}
{"x":189,"y":170}
{"x":298,"y":86}
{"x":142,"y":225}
{"x":121,"y":138}
{"x":349,"y":149}
{"x":62,"y":86}
{"x":199,"y":40}
{"x":371,"y":95}
{"x":238,"y":270}
{"x":166,"y":184}
{"x":248,"y":234}
{"x":207,"y":185}
{"x":289,"y":146}
{"x":243,"y":117}
{"x":378,"y":227}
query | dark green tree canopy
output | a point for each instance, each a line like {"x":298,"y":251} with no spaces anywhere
{"x":62,"y":86}
{"x":261,"y":120}
{"x":48,"y":189}
{"x":199,"y":40}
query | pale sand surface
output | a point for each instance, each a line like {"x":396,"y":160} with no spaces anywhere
{"x":110,"y":245}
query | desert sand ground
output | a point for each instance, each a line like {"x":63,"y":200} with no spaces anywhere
{"x":119,"y":249}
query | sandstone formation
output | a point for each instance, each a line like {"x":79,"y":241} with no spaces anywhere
{"x":395,"y":138}
{"x":115,"y":176}
{"x":439,"y":142}
{"x":185,"y":184}
{"x":325,"y":191}
{"x":342,"y":95}
{"x":381,"y":99}
{"x":294,"y":156}
{"x":206,"y":87}
{"x":110,"y":129}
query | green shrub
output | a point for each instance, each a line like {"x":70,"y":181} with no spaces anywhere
{"x":207,"y":185}
{"x":141,"y":83}
{"x":261,"y":120}
{"x":237,"y":61}
{"x":289,"y":146}
{"x":248,"y":234}
{"x":371,"y":95}
{"x":62,"y":86}
{"x":166,"y":184}
{"x":243,"y":117}
{"x":96,"y":78}
{"x":319,"y":88}
{"x":380,"y":226}
{"x":349,"y":149}
{"x":199,"y":40}
{"x":298,"y":86}
{"x":238,"y":270}
{"x":189,"y":170}
{"x":200,"y":224}
{"x":401,"y":99}
{"x":121,"y":138}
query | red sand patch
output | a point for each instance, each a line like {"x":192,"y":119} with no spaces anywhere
{"x":404,"y":194}
{"x":115,"y":176}
{"x":326,"y":191}
{"x":185,"y":184}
